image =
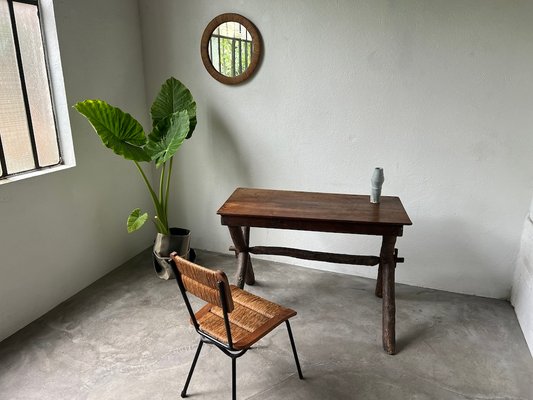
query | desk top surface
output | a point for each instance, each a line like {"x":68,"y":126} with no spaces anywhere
{"x":309,"y":206}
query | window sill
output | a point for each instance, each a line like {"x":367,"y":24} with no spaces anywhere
{"x":31,"y":174}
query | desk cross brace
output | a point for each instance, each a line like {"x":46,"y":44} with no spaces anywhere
{"x":317,"y":255}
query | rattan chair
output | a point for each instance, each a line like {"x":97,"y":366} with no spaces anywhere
{"x":233,"y":319}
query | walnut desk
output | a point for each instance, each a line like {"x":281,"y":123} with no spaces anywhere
{"x":322,"y":212}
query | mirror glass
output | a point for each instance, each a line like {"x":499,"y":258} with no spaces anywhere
{"x":230,"y":48}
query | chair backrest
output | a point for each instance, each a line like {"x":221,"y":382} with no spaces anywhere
{"x":204,"y":283}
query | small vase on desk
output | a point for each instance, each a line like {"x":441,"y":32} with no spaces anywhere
{"x":377,"y":182}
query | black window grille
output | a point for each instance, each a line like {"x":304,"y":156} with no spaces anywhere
{"x":230,"y":55}
{"x":28,"y":133}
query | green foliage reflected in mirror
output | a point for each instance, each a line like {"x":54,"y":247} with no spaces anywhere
{"x":230,"y":49}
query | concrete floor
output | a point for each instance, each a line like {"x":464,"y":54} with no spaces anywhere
{"x":127,"y":337}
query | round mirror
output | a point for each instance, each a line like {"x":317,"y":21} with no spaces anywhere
{"x":230,"y":48}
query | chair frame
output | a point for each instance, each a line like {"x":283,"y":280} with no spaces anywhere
{"x":226,"y":348}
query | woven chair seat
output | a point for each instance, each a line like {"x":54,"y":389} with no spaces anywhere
{"x":251,"y":319}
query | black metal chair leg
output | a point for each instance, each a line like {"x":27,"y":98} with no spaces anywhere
{"x":184,"y":391}
{"x":294,"y":350}
{"x":234,"y":378}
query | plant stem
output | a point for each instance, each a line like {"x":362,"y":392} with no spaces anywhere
{"x":163,"y":216}
{"x":155,"y":200}
{"x":165,"y":204}
{"x":161,"y":182}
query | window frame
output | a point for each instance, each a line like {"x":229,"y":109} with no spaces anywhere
{"x":57,"y":93}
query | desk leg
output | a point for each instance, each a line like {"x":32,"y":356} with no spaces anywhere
{"x":238,"y":235}
{"x":250,"y":276}
{"x":387,"y":267}
{"x":379,"y":282}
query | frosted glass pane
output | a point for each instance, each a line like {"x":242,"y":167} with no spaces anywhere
{"x":42,"y":116}
{"x":14,"y":130}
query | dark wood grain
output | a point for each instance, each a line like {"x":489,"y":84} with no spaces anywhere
{"x":239,"y":240}
{"x":250,"y":275}
{"x":388,"y":265}
{"x":325,"y":212}
{"x":316,"y":255}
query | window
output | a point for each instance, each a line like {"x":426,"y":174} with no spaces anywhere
{"x":33,"y":135}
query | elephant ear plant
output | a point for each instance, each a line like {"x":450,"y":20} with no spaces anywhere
{"x":173,"y":120}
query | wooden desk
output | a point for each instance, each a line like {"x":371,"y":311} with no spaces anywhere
{"x":323,"y":212}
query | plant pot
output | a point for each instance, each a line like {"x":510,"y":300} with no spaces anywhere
{"x":178,"y":241}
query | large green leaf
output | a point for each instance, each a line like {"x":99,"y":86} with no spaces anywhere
{"x":136,"y":220}
{"x":163,"y":145}
{"x":118,"y":130}
{"x":173,"y":97}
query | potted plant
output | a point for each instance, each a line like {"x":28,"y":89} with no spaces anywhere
{"x":173,"y":120}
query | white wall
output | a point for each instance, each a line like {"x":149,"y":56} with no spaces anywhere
{"x":438,"y":93}
{"x":62,"y":231}
{"x":522,"y":294}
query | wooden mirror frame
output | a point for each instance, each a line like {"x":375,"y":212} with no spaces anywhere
{"x":256,"y":48}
